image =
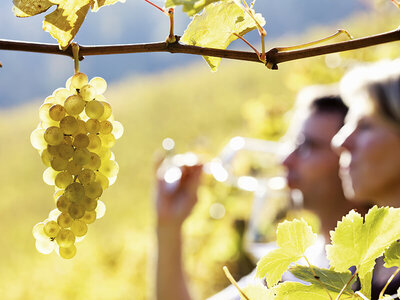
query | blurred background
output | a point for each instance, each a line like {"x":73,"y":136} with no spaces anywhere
{"x":156,"y":96}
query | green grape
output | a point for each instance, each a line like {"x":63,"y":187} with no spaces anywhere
{"x":60,"y":95}
{"x":37,"y":139}
{"x":65,"y":238}
{"x":75,"y":192}
{"x":74,"y":167}
{"x":86,"y":176}
{"x":57,"y":112}
{"x":38,"y":232}
{"x":107,"y":110}
{"x":69,"y":125}
{"x":82,"y":156}
{"x":87,"y":92}
{"x":49,"y":175}
{"x":118,"y":129}
{"x":54,"y":136}
{"x":109,"y":168}
{"x":81,"y":141}
{"x":100,"y":209}
{"x":81,"y":127}
{"x":63,"y":179}
{"x":112,"y":180}
{"x":68,"y":140}
{"x":99,"y":84}
{"x":76,"y":211}
{"x":104,"y":153}
{"x":57,"y":194}
{"x":106,"y":127}
{"x":50,"y":99}
{"x":58,"y":163}
{"x":63,"y":203}
{"x":93,"y":190}
{"x":53,"y":215}
{"x":44,"y":112}
{"x":79,"y":80}
{"x":94,"y":142}
{"x":89,"y":217}
{"x":89,"y":204}
{"x":107,"y":140}
{"x":46,"y":157}
{"x":94,"y":162}
{"x":45,"y":246}
{"x":52,"y":150}
{"x":68,"y":85}
{"x":64,"y":220}
{"x":67,"y":252}
{"x":94,"y":109}
{"x":74,"y":105}
{"x":103,"y":180}
{"x":93,"y":126}
{"x":79,"y":228}
{"x":51,"y":229}
{"x":65,"y":151}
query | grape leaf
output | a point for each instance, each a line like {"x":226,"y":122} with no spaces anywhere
{"x":64,"y":22}
{"x":23,"y":8}
{"x":215,"y":28}
{"x":293,"y":238}
{"x":392,"y":255}
{"x":363,"y":242}
{"x":190,"y":7}
{"x":258,"y":291}
{"x":297,"y":291}
{"x":331,"y":280}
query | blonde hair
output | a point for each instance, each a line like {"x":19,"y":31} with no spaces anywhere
{"x":377,"y":84}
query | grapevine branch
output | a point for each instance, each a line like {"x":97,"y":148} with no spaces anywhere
{"x":273,"y":56}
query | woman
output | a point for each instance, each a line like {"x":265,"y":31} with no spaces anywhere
{"x":369,"y":144}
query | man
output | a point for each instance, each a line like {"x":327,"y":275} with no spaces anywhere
{"x":312,"y":168}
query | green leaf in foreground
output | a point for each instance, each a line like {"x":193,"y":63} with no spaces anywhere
{"x":258,"y":292}
{"x":358,"y":243}
{"x":215,"y":28}
{"x":190,"y":7}
{"x":392,"y":255}
{"x":297,"y":291}
{"x":331,"y":280}
{"x":64,"y":22}
{"x":293,"y":238}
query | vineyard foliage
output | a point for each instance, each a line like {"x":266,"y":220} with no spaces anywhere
{"x":201,"y":111}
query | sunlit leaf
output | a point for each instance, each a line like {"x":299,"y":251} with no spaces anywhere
{"x":64,"y":22}
{"x":331,"y":280}
{"x":215,"y":28}
{"x":293,"y":238}
{"x":297,"y":291}
{"x":190,"y":7}
{"x":392,"y":255}
{"x":97,"y":4}
{"x":258,"y":291}
{"x":358,"y":243}
{"x":25,"y":8}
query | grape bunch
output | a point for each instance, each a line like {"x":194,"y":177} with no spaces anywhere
{"x":74,"y":137}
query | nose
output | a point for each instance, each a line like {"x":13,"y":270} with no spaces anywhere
{"x":343,"y":140}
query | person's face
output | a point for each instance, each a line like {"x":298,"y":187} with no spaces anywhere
{"x":370,"y":147}
{"x":313,"y":166}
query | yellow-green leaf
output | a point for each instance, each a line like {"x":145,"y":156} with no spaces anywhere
{"x":392,"y":255}
{"x":215,"y":28}
{"x":63,"y":23}
{"x":258,"y":292}
{"x":97,"y":4}
{"x":28,"y":8}
{"x":358,"y":243}
{"x":190,"y":7}
{"x":293,"y":239}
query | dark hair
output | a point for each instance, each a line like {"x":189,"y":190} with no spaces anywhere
{"x":329,"y":104}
